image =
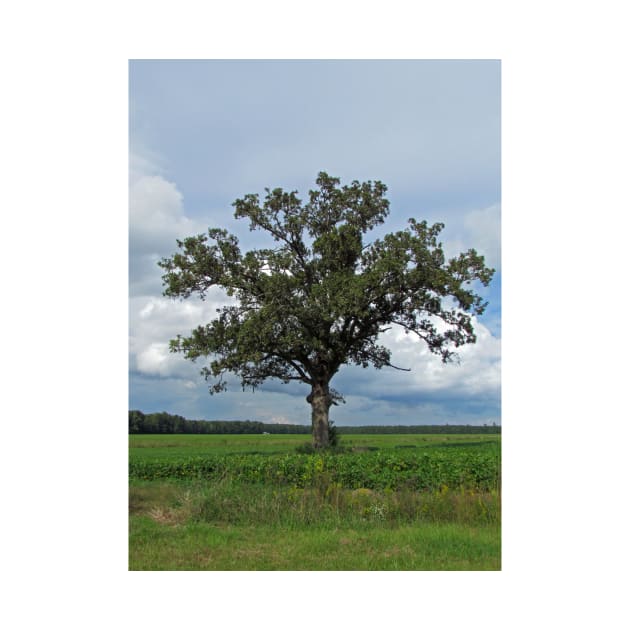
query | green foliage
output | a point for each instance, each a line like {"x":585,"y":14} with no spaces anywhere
{"x":305,"y":449}
{"x":456,"y":467}
{"x":320,"y":297}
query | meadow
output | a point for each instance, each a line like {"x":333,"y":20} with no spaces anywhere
{"x":263,"y":502}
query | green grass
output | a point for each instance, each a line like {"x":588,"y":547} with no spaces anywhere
{"x":268,"y":508}
{"x":329,"y":505}
{"x":172,"y":447}
{"x":210,"y":547}
{"x":176,"y":446}
{"x":183,"y":525}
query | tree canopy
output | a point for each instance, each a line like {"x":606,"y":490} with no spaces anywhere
{"x":320,"y":297}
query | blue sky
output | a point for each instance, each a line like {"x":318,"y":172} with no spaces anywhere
{"x":203,"y":133}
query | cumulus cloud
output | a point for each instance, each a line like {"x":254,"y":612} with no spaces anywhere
{"x":477,"y":373}
{"x":153,"y":321}
{"x":156,"y":220}
{"x":155,"y":359}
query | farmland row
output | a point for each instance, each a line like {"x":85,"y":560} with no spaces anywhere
{"x":455,"y":467}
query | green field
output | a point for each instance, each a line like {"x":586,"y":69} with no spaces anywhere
{"x":251,"y":502}
{"x":179,"y":446}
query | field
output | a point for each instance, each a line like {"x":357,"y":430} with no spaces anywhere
{"x":263,"y":502}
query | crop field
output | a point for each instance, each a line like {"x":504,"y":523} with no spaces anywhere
{"x":264,"y":502}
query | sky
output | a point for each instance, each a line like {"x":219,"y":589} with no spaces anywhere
{"x":204,"y":133}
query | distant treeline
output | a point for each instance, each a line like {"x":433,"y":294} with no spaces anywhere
{"x":167,"y":423}
{"x":164,"y":422}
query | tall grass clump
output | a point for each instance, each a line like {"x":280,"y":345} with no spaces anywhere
{"x":328,"y":504}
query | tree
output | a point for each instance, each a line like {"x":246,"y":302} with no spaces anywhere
{"x":136,"y":421}
{"x":321,"y":297}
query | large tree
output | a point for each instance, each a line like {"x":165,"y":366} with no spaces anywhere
{"x":320,"y":298}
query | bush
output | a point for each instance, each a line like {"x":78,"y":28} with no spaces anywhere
{"x":305,"y":449}
{"x":333,"y":435}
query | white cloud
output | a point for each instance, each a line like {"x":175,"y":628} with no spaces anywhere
{"x":156,"y":214}
{"x":154,"y":360}
{"x":477,"y":373}
{"x":153,"y":321}
{"x":156,"y":220}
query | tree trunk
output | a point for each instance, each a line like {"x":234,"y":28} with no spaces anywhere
{"x":320,"y":404}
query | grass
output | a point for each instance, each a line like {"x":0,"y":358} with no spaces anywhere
{"x":235,"y":526}
{"x":165,"y":447}
{"x":229,"y":523}
{"x":197,"y":546}
{"x":237,"y":503}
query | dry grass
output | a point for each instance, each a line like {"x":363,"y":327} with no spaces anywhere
{"x":166,"y":504}
{"x":167,"y":516}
